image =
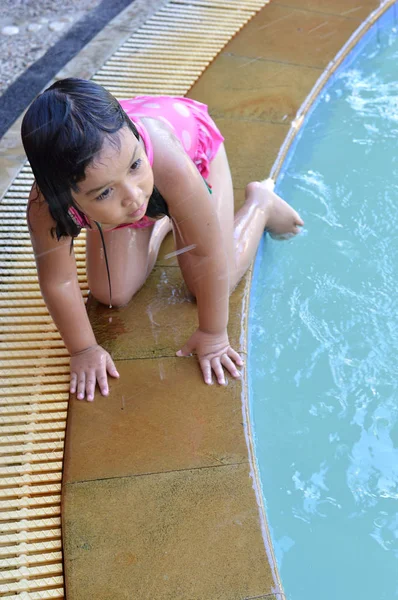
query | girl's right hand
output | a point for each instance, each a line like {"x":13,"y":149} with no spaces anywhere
{"x":86,"y":368}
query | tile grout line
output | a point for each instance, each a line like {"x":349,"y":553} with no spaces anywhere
{"x":157,"y":473}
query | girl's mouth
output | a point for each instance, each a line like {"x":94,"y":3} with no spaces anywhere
{"x":137,"y":213}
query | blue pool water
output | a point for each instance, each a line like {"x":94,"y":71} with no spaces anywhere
{"x":323,"y":364}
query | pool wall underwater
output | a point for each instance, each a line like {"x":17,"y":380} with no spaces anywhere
{"x":383,"y":17}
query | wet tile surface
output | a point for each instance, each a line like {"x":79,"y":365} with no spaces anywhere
{"x":198,"y":529}
{"x":251,"y":88}
{"x":160,"y":416}
{"x":290,"y":35}
{"x":159,"y":319}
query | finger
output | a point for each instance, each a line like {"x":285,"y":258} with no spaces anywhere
{"x":110,"y":367}
{"x":235,"y":357}
{"x":103,"y":382}
{"x":73,"y":383}
{"x":206,"y":370}
{"x":185,"y":350}
{"x":218,"y":370}
{"x":229,"y":365}
{"x":81,"y":386}
{"x":90,"y":385}
{"x":299,"y":221}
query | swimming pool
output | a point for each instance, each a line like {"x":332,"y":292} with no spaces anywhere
{"x":323,"y":340}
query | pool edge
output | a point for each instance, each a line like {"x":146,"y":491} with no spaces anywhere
{"x":323,"y":80}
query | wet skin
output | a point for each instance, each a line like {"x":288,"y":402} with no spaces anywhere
{"x":118,"y":183}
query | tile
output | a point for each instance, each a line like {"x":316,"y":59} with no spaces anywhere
{"x":252,"y":148}
{"x":291,"y":35}
{"x":189,"y":534}
{"x":159,"y":319}
{"x":246,"y":88}
{"x":159,"y":416}
{"x":352,"y":9}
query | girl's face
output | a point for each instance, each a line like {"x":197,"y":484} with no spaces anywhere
{"x":118,"y":183}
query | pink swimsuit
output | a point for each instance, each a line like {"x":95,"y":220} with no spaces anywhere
{"x":189,"y":121}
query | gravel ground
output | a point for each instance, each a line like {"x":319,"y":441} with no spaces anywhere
{"x":28,"y":28}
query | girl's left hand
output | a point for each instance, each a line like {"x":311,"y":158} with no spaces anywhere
{"x":214,"y":353}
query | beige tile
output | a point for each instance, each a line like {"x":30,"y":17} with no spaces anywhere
{"x":252,"y":148}
{"x":159,"y":319}
{"x":160,"y":416}
{"x":260,"y":90}
{"x":182,"y":535}
{"x":352,"y":9}
{"x":290,"y":35}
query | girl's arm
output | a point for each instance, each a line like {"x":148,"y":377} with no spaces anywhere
{"x":59,"y":285}
{"x":205,"y":266}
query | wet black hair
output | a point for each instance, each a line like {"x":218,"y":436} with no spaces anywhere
{"x":62,"y":132}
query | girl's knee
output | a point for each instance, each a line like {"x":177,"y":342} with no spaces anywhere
{"x":116,"y":300}
{"x":115,"y":297}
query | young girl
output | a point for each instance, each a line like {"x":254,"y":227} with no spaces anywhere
{"x":129,"y":172}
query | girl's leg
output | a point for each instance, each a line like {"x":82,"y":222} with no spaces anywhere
{"x":131,"y":256}
{"x":262,"y":210}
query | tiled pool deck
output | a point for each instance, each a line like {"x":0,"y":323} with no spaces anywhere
{"x":158,"y":497}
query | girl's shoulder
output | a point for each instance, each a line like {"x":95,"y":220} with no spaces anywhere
{"x":172,"y":107}
{"x":169,"y":157}
{"x":179,"y":115}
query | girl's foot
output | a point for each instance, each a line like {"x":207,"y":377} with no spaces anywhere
{"x":282,"y":221}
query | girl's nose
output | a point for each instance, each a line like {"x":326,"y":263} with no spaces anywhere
{"x":130,"y":196}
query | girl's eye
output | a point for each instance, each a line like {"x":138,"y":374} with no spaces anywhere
{"x":105,"y":194}
{"x":135,"y":164}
